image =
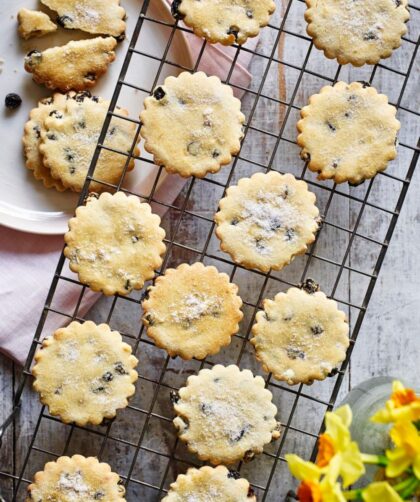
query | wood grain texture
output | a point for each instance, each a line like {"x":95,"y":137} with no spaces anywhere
{"x":388,"y":341}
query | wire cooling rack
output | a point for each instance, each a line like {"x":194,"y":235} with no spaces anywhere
{"x":141,"y":444}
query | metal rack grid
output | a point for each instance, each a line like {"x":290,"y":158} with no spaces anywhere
{"x":275,"y":453}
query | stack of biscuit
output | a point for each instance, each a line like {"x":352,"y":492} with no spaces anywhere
{"x":60,"y":138}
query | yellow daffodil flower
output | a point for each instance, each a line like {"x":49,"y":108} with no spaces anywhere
{"x":316,"y":484}
{"x":403,"y":404}
{"x":406,"y":452}
{"x":380,"y":491}
{"x":335,"y":443}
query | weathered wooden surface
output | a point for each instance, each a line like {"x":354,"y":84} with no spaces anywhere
{"x":387,"y":343}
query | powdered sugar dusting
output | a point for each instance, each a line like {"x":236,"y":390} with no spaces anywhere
{"x":195,"y":305}
{"x":269,"y":212}
{"x":73,"y":486}
{"x":87,"y":15}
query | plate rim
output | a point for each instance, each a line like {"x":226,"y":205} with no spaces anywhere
{"x":26,"y":225}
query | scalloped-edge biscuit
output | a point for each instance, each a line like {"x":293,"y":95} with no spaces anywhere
{"x":192,"y":124}
{"x":225,"y":414}
{"x":84,"y":373}
{"x":357,"y":32}
{"x":192,"y":311}
{"x":114,"y":243}
{"x":69,"y":139}
{"x":33,"y":23}
{"x":300,"y":337}
{"x":265,"y":221}
{"x":92,"y":16}
{"x":224,"y":21}
{"x":74,"y":66}
{"x":32,"y":139}
{"x":210,"y":483}
{"x":76,"y":479}
{"x":348,"y":132}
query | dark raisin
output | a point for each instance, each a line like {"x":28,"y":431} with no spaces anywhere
{"x":347,"y":115}
{"x":335,"y":164}
{"x":98,"y":495}
{"x":135,"y":238}
{"x":193,"y":148}
{"x":98,"y":390}
{"x":108,"y":376}
{"x":333,"y":372}
{"x":216,"y":380}
{"x":95,"y":99}
{"x":72,"y":169}
{"x":293,"y":353}
{"x":215,"y":154}
{"x":145,"y":295}
{"x":251,"y":492}
{"x":47,"y":101}
{"x":58,"y":391}
{"x":370,"y":35}
{"x":249,"y":13}
{"x":174,"y":396}
{"x":207,"y":123}
{"x":112,"y":131}
{"x":240,"y":435}
{"x":90,"y":76}
{"x":331,"y":127}
{"x":397,"y":3}
{"x":127,"y":284}
{"x":69,"y":155}
{"x":81,"y":96}
{"x":233,"y":30}
{"x":289,"y":234}
{"x":235,"y":221}
{"x":268,"y":318}
{"x":82,"y":124}
{"x":285,"y":193}
{"x":233,"y":474}
{"x":259,"y":244}
{"x":37,"y":131}
{"x":120,"y":38}
{"x":310,"y":286}
{"x":119,"y":368}
{"x":306,"y":156}
{"x":32,"y":58}
{"x":352,"y":97}
{"x":12,"y":101}
{"x":205,"y":408}
{"x":63,"y":21}
{"x":364,"y":83}
{"x":149,"y":319}
{"x":275,"y":224}
{"x":56,"y":114}
{"x":357,"y":183}
{"x":159,"y":93}
{"x":52,"y":136}
{"x":288,"y":317}
{"x":175,"y":9}
{"x":317,"y":329}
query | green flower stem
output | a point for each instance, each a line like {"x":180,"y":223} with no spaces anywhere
{"x":380,"y":460}
{"x":411,"y":485}
{"x":353,"y":495}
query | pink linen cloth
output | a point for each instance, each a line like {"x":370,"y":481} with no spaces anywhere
{"x":28,"y":261}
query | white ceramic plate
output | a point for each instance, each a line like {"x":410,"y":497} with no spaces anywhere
{"x":24,"y":202}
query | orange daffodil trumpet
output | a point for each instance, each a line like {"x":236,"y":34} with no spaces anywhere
{"x":335,"y":443}
{"x":402,"y":405}
{"x":317,"y":485}
{"x":340,"y":463}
